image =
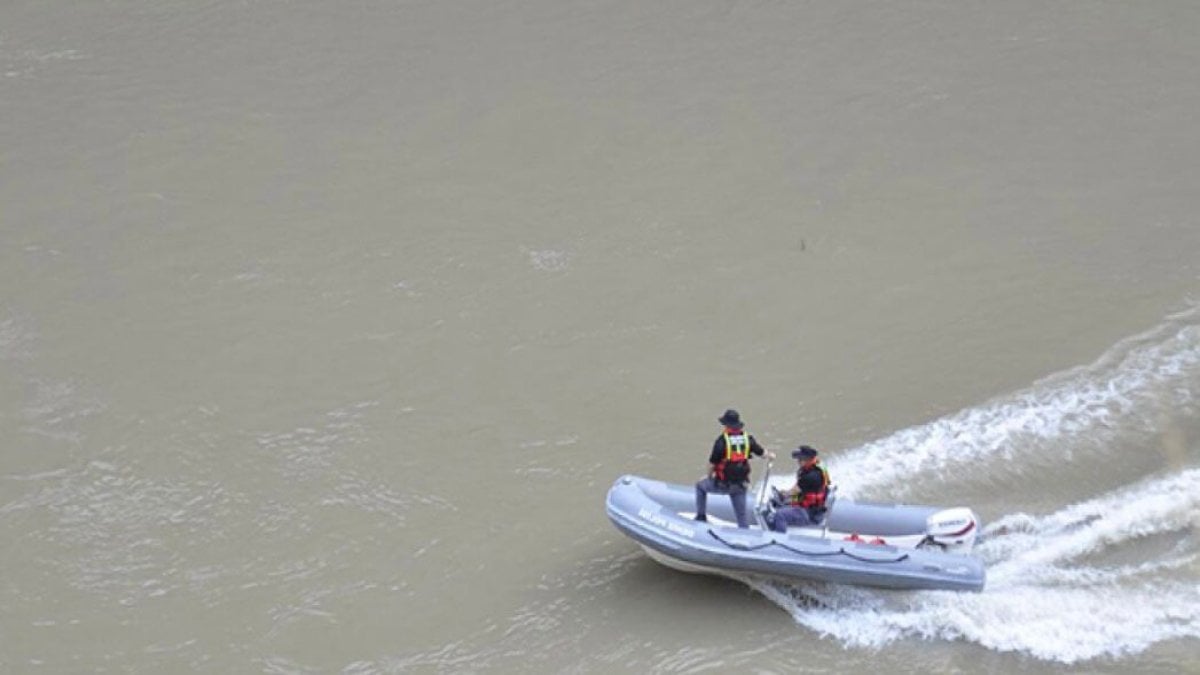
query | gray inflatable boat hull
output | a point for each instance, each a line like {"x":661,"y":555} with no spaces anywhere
{"x":657,"y":516}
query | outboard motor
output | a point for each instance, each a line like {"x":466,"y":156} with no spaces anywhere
{"x":952,"y":530}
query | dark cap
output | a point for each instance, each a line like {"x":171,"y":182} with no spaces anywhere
{"x":804,"y":452}
{"x":731,"y":418}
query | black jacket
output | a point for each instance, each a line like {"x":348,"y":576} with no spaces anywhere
{"x":811,"y":480}
{"x":718,"y":450}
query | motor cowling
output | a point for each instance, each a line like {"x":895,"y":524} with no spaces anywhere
{"x":953,"y":529}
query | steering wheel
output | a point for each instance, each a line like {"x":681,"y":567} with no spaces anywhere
{"x":777,"y":499}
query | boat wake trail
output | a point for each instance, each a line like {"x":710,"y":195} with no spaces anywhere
{"x":1126,"y":393}
{"x":1105,"y":577}
{"x":1053,"y":591}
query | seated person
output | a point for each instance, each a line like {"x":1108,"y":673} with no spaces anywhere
{"x":804,"y":503}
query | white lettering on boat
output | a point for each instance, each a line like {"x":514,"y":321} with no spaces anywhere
{"x":668,"y":525}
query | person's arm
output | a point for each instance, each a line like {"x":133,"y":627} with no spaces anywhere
{"x":715,"y":457}
{"x":794,"y":492}
{"x":756,"y":449}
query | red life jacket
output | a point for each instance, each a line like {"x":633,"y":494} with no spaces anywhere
{"x":736,"y":465}
{"x":812,"y":500}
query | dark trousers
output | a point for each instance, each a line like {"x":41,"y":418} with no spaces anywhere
{"x":736,"y":492}
{"x":796,"y":516}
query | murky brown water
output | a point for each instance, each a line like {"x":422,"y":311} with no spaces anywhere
{"x":324,"y":327}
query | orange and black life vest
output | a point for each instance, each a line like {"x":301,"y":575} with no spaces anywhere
{"x":814,"y":499}
{"x":736,"y":465}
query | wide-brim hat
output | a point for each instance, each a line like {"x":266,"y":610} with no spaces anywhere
{"x":731,"y":418}
{"x":804,"y":452}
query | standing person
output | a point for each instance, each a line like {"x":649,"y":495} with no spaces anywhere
{"x":729,"y":467}
{"x":806,"y":499}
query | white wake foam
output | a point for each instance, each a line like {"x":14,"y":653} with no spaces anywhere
{"x":1132,"y":385}
{"x":1036,"y":602}
{"x":1077,"y":584}
{"x":1030,"y":545}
